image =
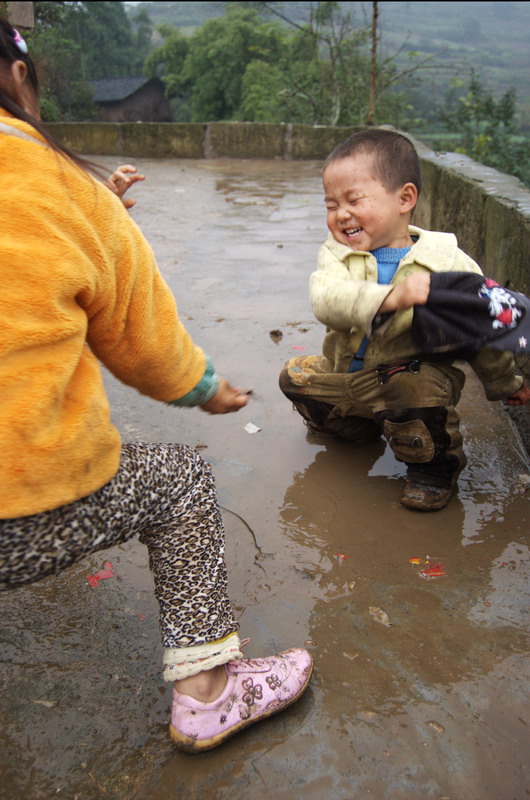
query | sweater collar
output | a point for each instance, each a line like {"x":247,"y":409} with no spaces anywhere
{"x":24,"y":127}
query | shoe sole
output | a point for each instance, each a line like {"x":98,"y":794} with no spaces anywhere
{"x":417,"y":506}
{"x":190,"y":745}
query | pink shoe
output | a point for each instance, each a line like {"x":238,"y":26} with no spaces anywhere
{"x":256,"y":689}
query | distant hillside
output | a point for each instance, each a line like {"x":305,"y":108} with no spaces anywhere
{"x":491,"y":37}
{"x":188,"y":16}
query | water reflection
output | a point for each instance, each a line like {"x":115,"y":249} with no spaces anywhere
{"x":355,"y":541}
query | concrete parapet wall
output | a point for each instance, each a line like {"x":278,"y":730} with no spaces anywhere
{"x":200,"y":140}
{"x":314,"y":142}
{"x":103,"y":138}
{"x":489,"y":212}
{"x":163,"y":139}
{"x":244,"y":140}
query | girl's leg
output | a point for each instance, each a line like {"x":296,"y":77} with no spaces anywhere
{"x":165,"y":494}
{"x":183,"y":530}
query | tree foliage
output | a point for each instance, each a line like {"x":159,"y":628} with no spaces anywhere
{"x":267,"y":62}
{"x":210,"y":66}
{"x":486,"y":127}
{"x":75,"y":42}
{"x":257,"y":64}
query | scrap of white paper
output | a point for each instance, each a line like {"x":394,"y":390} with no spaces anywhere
{"x":251,"y":428}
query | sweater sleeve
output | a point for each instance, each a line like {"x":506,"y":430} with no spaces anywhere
{"x":133,"y":324}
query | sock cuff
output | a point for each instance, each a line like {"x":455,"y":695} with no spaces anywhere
{"x":182,"y":662}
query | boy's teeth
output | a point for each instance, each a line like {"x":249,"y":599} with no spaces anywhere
{"x":353,"y":231}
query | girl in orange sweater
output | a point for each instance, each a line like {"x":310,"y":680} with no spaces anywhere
{"x":80,"y":286}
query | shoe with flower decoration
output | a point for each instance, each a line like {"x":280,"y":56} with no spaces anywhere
{"x":256,"y":688}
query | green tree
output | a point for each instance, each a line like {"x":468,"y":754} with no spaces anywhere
{"x":263,"y":94}
{"x":486,"y":128}
{"x":167,"y":61}
{"x":248,"y":66}
{"x":207,"y":70}
{"x":74,"y":42}
{"x":107,"y":42}
{"x":64,"y":93}
{"x":220,"y":52}
{"x":143,"y":34}
{"x":334,"y":69}
{"x":326,"y":65}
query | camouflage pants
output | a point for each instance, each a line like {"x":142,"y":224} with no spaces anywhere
{"x":411,"y":403}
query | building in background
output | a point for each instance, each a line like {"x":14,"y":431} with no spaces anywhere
{"x":137,"y":99}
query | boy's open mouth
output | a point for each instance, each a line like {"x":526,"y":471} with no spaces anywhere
{"x":353,"y":231}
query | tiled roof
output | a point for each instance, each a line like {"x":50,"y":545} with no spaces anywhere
{"x":108,"y":89}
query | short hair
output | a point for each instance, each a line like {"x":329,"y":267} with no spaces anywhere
{"x":396,"y":161}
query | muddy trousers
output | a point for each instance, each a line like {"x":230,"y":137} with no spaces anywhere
{"x":164,"y":494}
{"x":412,"y":404}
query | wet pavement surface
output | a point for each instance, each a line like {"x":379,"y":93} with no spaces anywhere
{"x":421,"y":684}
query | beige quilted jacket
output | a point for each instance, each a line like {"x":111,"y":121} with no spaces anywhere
{"x":346,"y":297}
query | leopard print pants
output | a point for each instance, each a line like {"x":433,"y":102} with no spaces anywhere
{"x":163,"y":493}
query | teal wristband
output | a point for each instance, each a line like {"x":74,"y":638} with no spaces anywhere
{"x":203,"y":391}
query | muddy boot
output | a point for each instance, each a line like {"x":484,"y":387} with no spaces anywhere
{"x":423,"y":497}
{"x":434,"y":458}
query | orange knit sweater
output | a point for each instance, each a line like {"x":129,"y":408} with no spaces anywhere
{"x":79,"y":285}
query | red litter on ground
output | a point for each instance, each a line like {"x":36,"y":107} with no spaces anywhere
{"x":433,"y":571}
{"x":297,"y":347}
{"x":432,"y":568}
{"x":107,"y":572}
{"x":342,"y":556}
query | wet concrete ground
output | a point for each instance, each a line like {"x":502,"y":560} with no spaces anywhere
{"x":432,"y":705}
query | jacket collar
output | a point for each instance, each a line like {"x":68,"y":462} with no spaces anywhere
{"x":432,"y":249}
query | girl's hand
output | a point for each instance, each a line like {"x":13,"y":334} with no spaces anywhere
{"x":226,"y":399}
{"x":121,"y":180}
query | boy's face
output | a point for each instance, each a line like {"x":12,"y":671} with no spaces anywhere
{"x":361,"y":212}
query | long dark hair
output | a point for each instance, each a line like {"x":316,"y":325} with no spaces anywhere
{"x":9,"y":53}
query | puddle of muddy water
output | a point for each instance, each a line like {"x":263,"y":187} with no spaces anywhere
{"x":431,"y":705}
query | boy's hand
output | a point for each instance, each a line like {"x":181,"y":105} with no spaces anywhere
{"x":521,"y":397}
{"x":121,"y":180}
{"x":413,"y":291}
{"x":226,"y":399}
